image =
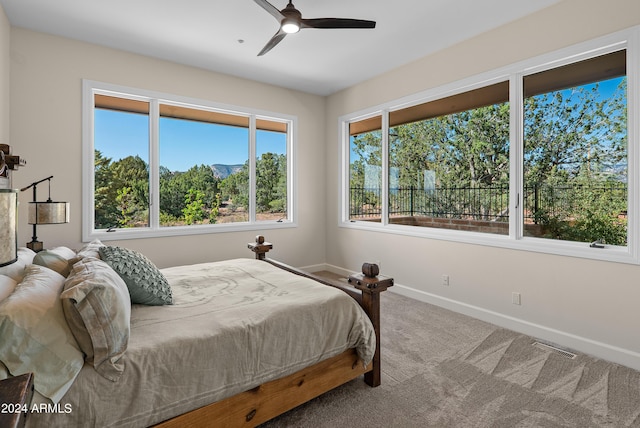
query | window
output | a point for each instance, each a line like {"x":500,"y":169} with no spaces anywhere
{"x":535,"y":156}
{"x":365,"y":169}
{"x":161,"y":165}
{"x":271,"y":170}
{"x":203,"y":166}
{"x":449,"y":162}
{"x":575,"y":151}
{"x":121,"y":186}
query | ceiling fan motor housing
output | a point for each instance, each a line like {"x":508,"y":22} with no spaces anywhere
{"x":291,"y":22}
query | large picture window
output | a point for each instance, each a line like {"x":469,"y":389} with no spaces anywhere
{"x":449,"y":162}
{"x":537,"y":157}
{"x":158,"y":165}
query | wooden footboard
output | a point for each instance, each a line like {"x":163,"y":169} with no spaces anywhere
{"x":276,"y":397}
{"x":271,"y":399}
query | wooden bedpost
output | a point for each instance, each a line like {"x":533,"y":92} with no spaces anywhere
{"x":371,"y":284}
{"x":260,"y":247}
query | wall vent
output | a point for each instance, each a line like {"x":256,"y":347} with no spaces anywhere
{"x":555,"y":349}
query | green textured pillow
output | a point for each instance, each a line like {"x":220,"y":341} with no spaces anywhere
{"x":146,"y":284}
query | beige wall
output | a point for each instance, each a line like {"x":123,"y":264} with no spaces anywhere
{"x":46,"y":76}
{"x":584,"y":304}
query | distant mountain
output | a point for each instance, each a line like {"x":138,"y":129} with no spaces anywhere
{"x":223,"y":171}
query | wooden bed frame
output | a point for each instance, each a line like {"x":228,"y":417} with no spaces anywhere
{"x":264,"y":402}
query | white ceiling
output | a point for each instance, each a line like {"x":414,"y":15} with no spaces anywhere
{"x":208,"y":33}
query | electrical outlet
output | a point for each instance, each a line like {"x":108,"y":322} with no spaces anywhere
{"x":445,"y":280}
{"x":515,"y":298}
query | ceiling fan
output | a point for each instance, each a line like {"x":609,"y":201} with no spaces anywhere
{"x":291,"y":21}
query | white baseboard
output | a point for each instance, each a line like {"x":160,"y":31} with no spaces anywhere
{"x":316,"y":268}
{"x":566,"y":340}
{"x":331,"y":268}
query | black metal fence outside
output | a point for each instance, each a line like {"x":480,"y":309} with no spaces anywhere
{"x":489,"y":203}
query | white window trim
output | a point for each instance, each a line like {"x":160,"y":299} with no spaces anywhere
{"x":626,"y":39}
{"x":90,"y":87}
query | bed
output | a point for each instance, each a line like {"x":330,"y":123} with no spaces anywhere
{"x":234,"y":343}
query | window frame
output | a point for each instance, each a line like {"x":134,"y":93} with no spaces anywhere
{"x":628,"y":40}
{"x":383,"y":170}
{"x":90,"y":88}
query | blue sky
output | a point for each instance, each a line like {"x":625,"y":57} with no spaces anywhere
{"x":183,"y":143}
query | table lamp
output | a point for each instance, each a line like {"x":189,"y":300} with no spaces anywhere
{"x":47,"y":212}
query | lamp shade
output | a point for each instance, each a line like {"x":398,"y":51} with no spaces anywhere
{"x":8,"y":226}
{"x":48,"y":212}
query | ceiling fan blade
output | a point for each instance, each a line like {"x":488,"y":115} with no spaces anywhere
{"x":277,"y":38}
{"x":270,"y":8}
{"x":337,"y":23}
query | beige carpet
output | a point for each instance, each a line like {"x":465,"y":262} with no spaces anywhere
{"x":442,"y":369}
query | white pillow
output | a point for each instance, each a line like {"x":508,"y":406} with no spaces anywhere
{"x":26,"y":255}
{"x":7,"y":285}
{"x":89,"y":250}
{"x":58,"y":259}
{"x":35,"y":335}
{"x":65,"y":252}
{"x":16,"y":270}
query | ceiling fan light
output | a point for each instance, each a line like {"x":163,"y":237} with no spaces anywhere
{"x":290,"y":26}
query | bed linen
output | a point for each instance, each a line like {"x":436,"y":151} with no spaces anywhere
{"x":233,"y":326}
